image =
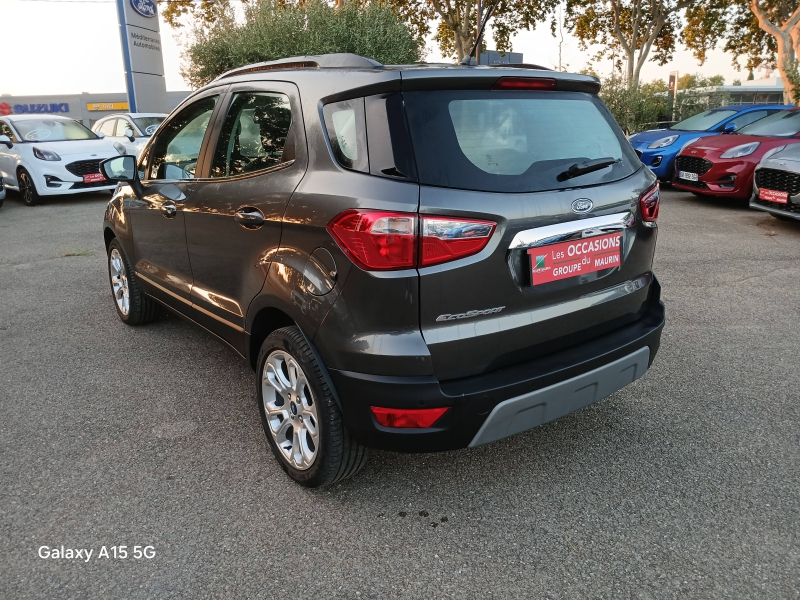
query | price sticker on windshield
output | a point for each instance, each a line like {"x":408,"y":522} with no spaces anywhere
{"x":579,"y":257}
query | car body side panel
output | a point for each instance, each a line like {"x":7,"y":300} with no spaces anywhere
{"x":230,"y":262}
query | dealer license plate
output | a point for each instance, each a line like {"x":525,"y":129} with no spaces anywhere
{"x":579,"y":257}
{"x":774,"y":196}
{"x":687,"y":175}
{"x":93,"y":178}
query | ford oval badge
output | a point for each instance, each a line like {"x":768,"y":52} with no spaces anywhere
{"x":582,"y":205}
{"x":146,"y":8}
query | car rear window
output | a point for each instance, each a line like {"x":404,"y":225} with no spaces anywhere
{"x":513,"y":141}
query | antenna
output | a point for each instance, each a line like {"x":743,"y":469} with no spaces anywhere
{"x":468,"y":57}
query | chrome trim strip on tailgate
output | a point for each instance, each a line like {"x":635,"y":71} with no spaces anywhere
{"x":548,"y":404}
{"x":582,"y":228}
{"x":452,"y":331}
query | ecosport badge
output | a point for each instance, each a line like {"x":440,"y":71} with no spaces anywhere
{"x":146,"y":8}
{"x":582,"y":205}
{"x":469,"y":314}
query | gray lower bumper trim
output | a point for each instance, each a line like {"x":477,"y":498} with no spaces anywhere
{"x":548,"y":404}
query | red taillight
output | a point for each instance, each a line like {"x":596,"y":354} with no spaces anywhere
{"x":448,"y":239}
{"x":419,"y":418}
{"x":525,"y":83}
{"x":649,"y":203}
{"x":377,"y":240}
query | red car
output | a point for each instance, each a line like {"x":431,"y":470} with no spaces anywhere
{"x":723,"y":165}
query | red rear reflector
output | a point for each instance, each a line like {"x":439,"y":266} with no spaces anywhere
{"x":525,"y":83}
{"x":419,"y":418}
{"x":649,"y":203}
{"x":448,"y":239}
{"x":377,"y":240}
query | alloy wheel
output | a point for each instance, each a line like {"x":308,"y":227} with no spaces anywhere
{"x":290,"y":409}
{"x":26,"y":187}
{"x":119,"y":281}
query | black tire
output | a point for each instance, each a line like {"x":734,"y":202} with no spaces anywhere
{"x":338,"y":455}
{"x":141,"y":308}
{"x":27,"y":188}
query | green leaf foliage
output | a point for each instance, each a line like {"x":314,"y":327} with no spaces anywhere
{"x":274,"y":29}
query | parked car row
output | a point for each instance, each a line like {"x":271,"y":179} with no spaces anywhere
{"x":732,"y":152}
{"x":53,"y":155}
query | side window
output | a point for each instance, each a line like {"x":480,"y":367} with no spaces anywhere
{"x":108,"y":127}
{"x":122,"y":125}
{"x":176,"y":150}
{"x":347,"y":133}
{"x":5,"y":129}
{"x":253,"y":136}
{"x":748,"y":118}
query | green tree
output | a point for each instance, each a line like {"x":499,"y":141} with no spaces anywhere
{"x":274,"y":29}
{"x":635,"y":109}
{"x":696,"y":80}
{"x":455,"y":21}
{"x":633,"y":31}
{"x":758,"y":32}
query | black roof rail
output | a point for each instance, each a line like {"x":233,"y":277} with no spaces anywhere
{"x":341,"y":60}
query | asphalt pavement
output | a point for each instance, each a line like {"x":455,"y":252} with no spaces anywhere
{"x":682,"y":485}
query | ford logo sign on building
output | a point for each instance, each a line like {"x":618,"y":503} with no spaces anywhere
{"x":146,"y":8}
{"x":582,"y":205}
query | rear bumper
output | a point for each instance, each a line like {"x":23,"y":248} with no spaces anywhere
{"x":494,"y":405}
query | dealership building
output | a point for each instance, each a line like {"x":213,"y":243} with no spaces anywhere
{"x":86,"y":108}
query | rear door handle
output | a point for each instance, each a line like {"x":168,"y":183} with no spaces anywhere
{"x":249,"y":217}
{"x":168,"y":209}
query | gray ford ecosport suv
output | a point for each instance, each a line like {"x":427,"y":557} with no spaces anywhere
{"x":416,"y":258}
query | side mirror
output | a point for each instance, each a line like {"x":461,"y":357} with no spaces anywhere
{"x":129,"y":134}
{"x":119,"y":168}
{"x":4,"y":139}
{"x":123,"y":168}
{"x":100,"y":134}
{"x":729,"y":128}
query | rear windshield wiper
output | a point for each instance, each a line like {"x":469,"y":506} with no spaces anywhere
{"x":589,"y":166}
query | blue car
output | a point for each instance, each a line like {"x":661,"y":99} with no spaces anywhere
{"x":658,"y":147}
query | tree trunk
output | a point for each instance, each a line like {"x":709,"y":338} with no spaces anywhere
{"x":787,"y":62}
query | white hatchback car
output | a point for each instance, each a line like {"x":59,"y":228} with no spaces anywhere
{"x":132,"y":130}
{"x":43,"y":155}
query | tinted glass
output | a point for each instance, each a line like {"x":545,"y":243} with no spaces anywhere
{"x":107,"y":128}
{"x":704,"y":121}
{"x":783,"y":123}
{"x":6,"y":130}
{"x":513,"y":141}
{"x":347,"y":133}
{"x":148,"y":125}
{"x":52,"y":130}
{"x":253,"y":136}
{"x":175,"y":151}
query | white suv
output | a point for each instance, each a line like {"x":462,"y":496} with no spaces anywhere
{"x":132,"y":130}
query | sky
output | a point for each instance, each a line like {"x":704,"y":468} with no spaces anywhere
{"x":73,"y":46}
